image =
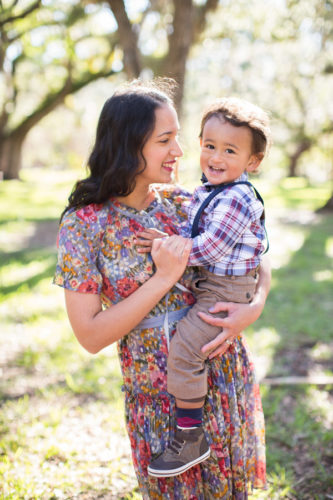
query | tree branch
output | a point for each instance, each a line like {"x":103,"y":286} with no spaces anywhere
{"x":127,"y":37}
{"x":189,"y":21}
{"x":200,"y":20}
{"x":23,"y":14}
{"x":15,"y":2}
{"x":20,"y":34}
{"x":3,"y":120}
{"x":54,"y":99}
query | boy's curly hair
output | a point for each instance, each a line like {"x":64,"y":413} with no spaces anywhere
{"x":241,"y":113}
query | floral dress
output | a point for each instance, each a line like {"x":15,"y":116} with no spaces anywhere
{"x":97,"y":255}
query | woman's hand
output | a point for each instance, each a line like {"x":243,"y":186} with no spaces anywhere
{"x":96,"y":328}
{"x":240,"y":316}
{"x":170,"y":256}
{"x":145,"y":239}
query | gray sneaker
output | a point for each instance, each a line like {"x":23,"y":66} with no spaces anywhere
{"x":189,"y":447}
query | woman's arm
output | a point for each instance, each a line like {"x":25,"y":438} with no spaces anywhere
{"x":240,"y":316}
{"x":96,"y":328}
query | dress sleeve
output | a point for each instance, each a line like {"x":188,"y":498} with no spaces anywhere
{"x":78,"y":243}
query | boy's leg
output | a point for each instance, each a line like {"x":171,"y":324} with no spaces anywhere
{"x":187,"y":379}
{"x":186,"y":363}
{"x":189,"y":446}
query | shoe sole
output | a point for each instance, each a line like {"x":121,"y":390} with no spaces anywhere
{"x":180,"y":470}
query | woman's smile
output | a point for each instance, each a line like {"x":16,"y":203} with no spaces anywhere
{"x":169,"y":165}
{"x":162,"y":148}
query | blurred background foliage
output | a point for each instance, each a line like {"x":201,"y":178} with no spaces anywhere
{"x":60,"y":60}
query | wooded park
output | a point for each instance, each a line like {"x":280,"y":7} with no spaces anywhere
{"x":62,"y":430}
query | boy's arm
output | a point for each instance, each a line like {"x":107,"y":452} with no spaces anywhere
{"x":225,"y":224}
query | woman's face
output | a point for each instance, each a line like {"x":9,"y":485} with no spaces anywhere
{"x":162,"y":148}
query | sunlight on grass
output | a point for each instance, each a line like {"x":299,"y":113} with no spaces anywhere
{"x":294,"y":183}
{"x":325,"y":275}
{"x":68,"y":459}
{"x":294,"y":193}
{"x":322,"y":352}
{"x":263,"y":342}
{"x":31,"y":306}
{"x":320,"y":406}
{"x":16,"y":273}
{"x":281,"y":251}
{"x":43,"y":194}
{"x":62,"y":430}
{"x":279,"y":485}
{"x":329,"y":247}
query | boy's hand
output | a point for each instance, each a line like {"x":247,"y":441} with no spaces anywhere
{"x":145,"y":239}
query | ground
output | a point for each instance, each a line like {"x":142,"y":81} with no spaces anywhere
{"x":61,"y":421}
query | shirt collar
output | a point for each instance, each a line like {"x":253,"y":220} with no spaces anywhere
{"x":210,"y":187}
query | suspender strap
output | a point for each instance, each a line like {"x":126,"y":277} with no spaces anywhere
{"x":215,"y":192}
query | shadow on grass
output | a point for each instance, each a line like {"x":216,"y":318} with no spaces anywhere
{"x":40,"y":221}
{"x":299,"y":437}
{"x":65,"y":371}
{"x":31,"y":282}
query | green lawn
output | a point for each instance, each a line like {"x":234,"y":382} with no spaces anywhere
{"x":62,"y":433}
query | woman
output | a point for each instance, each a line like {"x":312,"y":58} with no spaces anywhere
{"x":115,"y":293}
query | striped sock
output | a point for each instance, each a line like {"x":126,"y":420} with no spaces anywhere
{"x":187,"y":418}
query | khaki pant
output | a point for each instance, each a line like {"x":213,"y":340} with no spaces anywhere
{"x":187,"y":379}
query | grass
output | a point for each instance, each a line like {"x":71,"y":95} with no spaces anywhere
{"x":62,"y":433}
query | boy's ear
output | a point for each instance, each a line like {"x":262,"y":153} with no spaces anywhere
{"x":254,"y":162}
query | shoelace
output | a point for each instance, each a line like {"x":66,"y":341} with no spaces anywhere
{"x":176,"y":446}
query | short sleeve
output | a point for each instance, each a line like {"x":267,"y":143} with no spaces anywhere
{"x":78,"y":244}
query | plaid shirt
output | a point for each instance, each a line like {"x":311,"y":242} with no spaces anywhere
{"x":232,"y":235}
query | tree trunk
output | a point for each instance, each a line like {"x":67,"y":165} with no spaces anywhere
{"x":305,"y":145}
{"x":328,"y":207}
{"x":128,"y":39}
{"x":180,"y":41}
{"x":11,"y":155}
{"x":11,"y":145}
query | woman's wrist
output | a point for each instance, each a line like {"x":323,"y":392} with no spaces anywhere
{"x":258,"y":302}
{"x":162,"y":281}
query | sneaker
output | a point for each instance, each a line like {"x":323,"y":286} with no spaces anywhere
{"x":189,"y":447}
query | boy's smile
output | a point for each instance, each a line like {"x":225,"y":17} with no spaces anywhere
{"x":226,"y":151}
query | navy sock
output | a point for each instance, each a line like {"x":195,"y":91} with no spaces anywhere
{"x":189,"y":417}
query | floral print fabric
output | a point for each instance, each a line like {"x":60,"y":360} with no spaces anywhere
{"x":97,"y":255}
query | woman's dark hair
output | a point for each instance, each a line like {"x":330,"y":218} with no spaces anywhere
{"x":125,"y":124}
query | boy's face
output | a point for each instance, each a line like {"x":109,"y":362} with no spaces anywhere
{"x":226,"y":151}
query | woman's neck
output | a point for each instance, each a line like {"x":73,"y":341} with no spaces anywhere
{"x":139,"y":199}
